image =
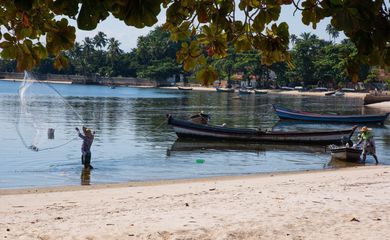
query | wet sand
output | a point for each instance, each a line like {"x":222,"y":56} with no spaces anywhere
{"x":350,"y":203}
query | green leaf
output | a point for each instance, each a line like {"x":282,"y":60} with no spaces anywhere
{"x":8,"y":37}
{"x":207,"y":75}
{"x":8,"y":53}
{"x":25,"y":5}
{"x":67,"y":7}
{"x":60,"y":62}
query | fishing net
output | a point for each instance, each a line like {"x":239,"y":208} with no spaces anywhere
{"x":46,"y":120}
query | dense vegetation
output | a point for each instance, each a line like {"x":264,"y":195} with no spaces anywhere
{"x":32,"y":30}
{"x":314,"y":61}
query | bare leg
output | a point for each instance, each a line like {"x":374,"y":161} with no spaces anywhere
{"x":376,"y":158}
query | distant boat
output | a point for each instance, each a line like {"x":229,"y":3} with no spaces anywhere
{"x":229,"y":90}
{"x":245,"y":91}
{"x":187,"y":129}
{"x":339,"y":94}
{"x":330,"y":93}
{"x":348,"y":90}
{"x":285,"y":113}
{"x":320,"y":89}
{"x":184,"y":88}
{"x":345,"y":153}
{"x":287,"y":88}
{"x":258,"y":91}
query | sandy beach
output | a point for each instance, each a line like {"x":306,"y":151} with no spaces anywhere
{"x":348,"y":203}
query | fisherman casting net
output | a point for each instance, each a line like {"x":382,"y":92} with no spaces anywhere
{"x":45,"y":120}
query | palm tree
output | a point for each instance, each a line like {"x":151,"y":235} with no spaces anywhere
{"x":333,"y":33}
{"x":113,"y":52}
{"x":88,"y":49}
{"x":100,"y":40}
{"x":293,"y":39}
{"x":75,"y":54}
{"x":307,"y":36}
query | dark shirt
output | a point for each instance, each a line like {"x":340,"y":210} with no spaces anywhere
{"x":87,"y":142}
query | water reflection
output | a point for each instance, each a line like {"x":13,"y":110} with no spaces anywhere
{"x":189,"y":145}
{"x":336,"y":163}
{"x":85,"y":176}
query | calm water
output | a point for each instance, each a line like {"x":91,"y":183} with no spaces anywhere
{"x":133,"y":143}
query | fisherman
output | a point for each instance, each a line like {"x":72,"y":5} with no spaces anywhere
{"x":367,"y":138}
{"x":86,"y":147}
{"x":346,"y":141}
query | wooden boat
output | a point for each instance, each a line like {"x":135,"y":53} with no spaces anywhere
{"x":330,"y":93}
{"x":285,"y":113}
{"x":258,"y":91}
{"x":370,"y":99}
{"x":187,"y":129}
{"x":320,"y":89}
{"x":228,"y":90}
{"x":339,"y":94}
{"x":245,"y":91}
{"x":348,"y":90}
{"x":184,"y":88}
{"x":284,"y":88}
{"x":345,"y":153}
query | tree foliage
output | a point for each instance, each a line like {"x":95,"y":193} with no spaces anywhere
{"x":34,"y":29}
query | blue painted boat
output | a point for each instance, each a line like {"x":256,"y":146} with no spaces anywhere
{"x":285,"y":113}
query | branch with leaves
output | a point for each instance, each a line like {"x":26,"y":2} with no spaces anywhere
{"x":34,"y":29}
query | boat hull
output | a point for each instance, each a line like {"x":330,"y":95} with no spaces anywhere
{"x":261,"y":92}
{"x":186,"y":129}
{"x":245,"y":91}
{"x":346,"y":154}
{"x":284,"y":113}
{"x":185,"y":88}
{"x":228,"y":90}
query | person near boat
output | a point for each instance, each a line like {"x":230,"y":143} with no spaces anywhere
{"x":86,"y":146}
{"x":366,"y":138}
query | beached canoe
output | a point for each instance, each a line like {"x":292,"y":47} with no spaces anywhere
{"x":184,"y":88}
{"x":338,"y":94}
{"x":228,"y":90}
{"x":245,"y":91}
{"x":330,"y":93}
{"x":345,"y":153}
{"x":258,"y":91}
{"x":285,"y":113}
{"x":187,"y":129}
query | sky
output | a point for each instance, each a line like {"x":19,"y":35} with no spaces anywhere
{"x":128,"y":35}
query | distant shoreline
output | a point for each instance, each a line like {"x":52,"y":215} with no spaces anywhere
{"x":359,"y":95}
{"x":44,"y":81}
